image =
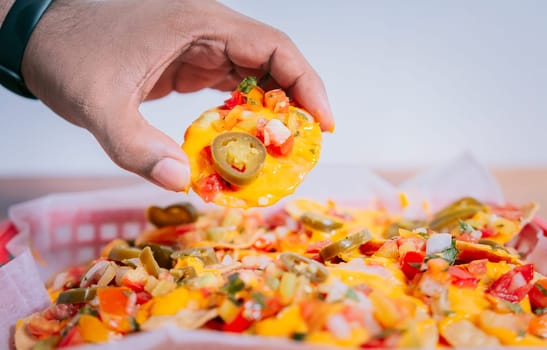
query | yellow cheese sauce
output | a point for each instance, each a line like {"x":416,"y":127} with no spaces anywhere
{"x":279,"y":176}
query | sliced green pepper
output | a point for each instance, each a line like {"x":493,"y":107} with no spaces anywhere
{"x":183,"y":272}
{"x":301,"y":265}
{"x":149,"y":263}
{"x":173,"y":215}
{"x":120,"y":253}
{"x":350,"y":242}
{"x":162,"y":254}
{"x":319,"y":222}
{"x":459,"y":210}
{"x":77,"y":295}
{"x":393,"y":229}
{"x":206,"y":254}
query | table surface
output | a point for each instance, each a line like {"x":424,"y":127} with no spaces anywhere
{"x":519,"y":185}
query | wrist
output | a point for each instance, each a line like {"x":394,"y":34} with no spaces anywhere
{"x":5,"y":5}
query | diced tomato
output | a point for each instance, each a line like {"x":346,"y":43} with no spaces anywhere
{"x":317,"y":246}
{"x":410,"y":263}
{"x":265,"y":243}
{"x":136,"y":286}
{"x":277,"y":101}
{"x":462,"y":278}
{"x":209,"y":186}
{"x":73,"y":337}
{"x":282,"y":150}
{"x":272,"y":307}
{"x":467,"y":237}
{"x":143,"y":297}
{"x":239,"y":324}
{"x":184,"y":228}
{"x":276,"y":219}
{"x":513,"y":285}
{"x":236,"y":99}
{"x":487,"y":232}
{"x":477,"y":267}
{"x":538,"y":294}
{"x":206,"y":154}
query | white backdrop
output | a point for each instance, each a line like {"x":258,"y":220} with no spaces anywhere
{"x":410,"y":83}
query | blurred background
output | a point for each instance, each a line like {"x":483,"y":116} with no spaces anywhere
{"x":410,"y":83}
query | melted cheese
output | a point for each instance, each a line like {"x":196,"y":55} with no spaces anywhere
{"x":279,"y":176}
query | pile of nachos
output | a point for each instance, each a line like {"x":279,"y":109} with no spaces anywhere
{"x":312,"y":272}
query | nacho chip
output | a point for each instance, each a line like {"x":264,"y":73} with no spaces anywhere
{"x":252,"y":151}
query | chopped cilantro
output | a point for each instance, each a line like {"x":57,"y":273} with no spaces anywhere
{"x":298,"y":336}
{"x":352,"y":294}
{"x":416,"y":265}
{"x":540,"y":288}
{"x":88,"y":310}
{"x":540,"y":310}
{"x":423,"y":234}
{"x":247,"y":85}
{"x":514,"y":307}
{"x":521,"y":333}
{"x":449,"y":254}
{"x":260,"y":299}
{"x":465,"y":227}
{"x":234,"y":284}
{"x":448,"y":313}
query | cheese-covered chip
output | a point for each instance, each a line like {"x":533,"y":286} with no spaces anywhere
{"x":253,"y":150}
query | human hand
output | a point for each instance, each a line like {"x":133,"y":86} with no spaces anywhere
{"x":95,"y":62}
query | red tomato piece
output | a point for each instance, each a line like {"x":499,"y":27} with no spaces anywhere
{"x":209,"y":186}
{"x":73,"y":337}
{"x":206,"y":154}
{"x":136,"y":286}
{"x":265,"y":244}
{"x":143,"y":297}
{"x":317,"y":246}
{"x":513,"y":285}
{"x":239,"y":324}
{"x":272,"y":307}
{"x":236,"y":99}
{"x":477,"y":267}
{"x":410,"y":263}
{"x":462,"y":278}
{"x":538,"y":294}
{"x":487,"y":232}
{"x":282,"y":150}
{"x":277,"y":101}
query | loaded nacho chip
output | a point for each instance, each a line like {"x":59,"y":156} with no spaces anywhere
{"x":253,"y":150}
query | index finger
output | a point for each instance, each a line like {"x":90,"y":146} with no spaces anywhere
{"x":293,"y":73}
{"x":273,"y":52}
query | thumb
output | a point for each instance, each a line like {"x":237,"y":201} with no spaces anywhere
{"x":138,"y":147}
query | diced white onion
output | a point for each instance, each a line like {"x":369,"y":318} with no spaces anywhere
{"x":339,"y":327}
{"x":438,"y":242}
{"x":277,"y":131}
{"x":517,"y":281}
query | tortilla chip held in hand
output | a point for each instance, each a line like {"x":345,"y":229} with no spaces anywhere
{"x":253,"y":150}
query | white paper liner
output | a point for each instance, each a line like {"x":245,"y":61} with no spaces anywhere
{"x":70,"y":228}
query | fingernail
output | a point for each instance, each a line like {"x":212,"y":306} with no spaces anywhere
{"x":171,"y":174}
